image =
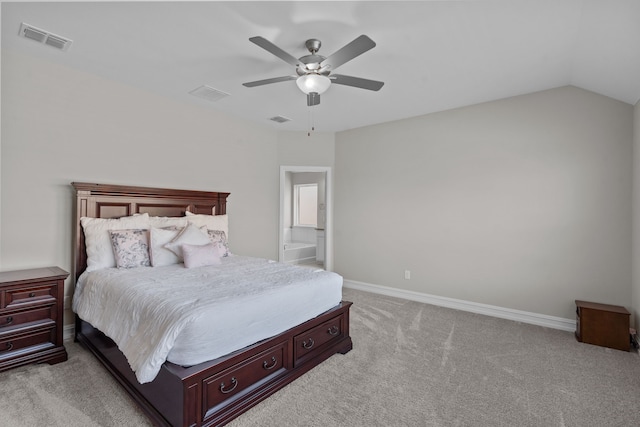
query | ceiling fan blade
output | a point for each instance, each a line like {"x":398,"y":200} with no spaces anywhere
{"x":356,"y":82}
{"x":270,"y":47}
{"x":269,"y":81}
{"x":357,"y":47}
{"x":313,"y":98}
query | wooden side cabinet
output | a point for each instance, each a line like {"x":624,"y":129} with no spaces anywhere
{"x":31,"y":311}
{"x":602,"y":324}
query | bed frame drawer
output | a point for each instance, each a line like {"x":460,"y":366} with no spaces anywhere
{"x":314,"y":338}
{"x":235,"y":381}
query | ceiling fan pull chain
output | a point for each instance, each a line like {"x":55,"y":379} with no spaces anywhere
{"x":311,"y":123}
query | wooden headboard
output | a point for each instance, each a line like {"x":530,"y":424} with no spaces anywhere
{"x":114,"y":201}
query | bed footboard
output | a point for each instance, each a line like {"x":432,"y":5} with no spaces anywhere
{"x":215,"y":392}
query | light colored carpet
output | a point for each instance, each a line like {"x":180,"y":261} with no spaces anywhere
{"x":412,"y":365}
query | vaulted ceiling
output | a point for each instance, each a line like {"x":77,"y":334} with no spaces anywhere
{"x":432,"y":55}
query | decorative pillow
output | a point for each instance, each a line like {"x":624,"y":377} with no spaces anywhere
{"x":190,"y":235}
{"x":212,"y":222}
{"x":98,"y":242}
{"x":130,"y":248}
{"x":158,"y":254}
{"x":167,"y":222}
{"x":201,"y":255}
{"x":219,"y":238}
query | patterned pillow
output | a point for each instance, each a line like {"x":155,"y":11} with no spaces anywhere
{"x":130,"y":248}
{"x":201,"y":255}
{"x":219,"y":238}
{"x":96,"y":236}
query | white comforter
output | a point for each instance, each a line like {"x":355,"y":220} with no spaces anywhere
{"x":189,"y":316}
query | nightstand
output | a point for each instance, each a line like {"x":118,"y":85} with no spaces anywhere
{"x":602,"y":324}
{"x":31,"y":312}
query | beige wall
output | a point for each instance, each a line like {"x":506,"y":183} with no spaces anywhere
{"x":301,"y":149}
{"x":61,"y":125}
{"x":522,"y":203}
{"x":0,"y":138}
{"x":636,"y":217}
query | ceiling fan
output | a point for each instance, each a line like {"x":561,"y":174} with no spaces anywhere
{"x":313,"y":72}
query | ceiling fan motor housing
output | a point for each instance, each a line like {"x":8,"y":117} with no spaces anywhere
{"x":311,"y":64}
{"x":313,"y":45}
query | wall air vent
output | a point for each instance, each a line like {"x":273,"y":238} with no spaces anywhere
{"x":280,"y":119}
{"x":42,"y":36}
{"x":208,"y":93}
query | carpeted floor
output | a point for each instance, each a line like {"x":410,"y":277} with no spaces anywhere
{"x":412,"y":365}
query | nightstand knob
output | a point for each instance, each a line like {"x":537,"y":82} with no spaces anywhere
{"x":9,"y":319}
{"x":32,"y":294}
{"x":9,"y":347}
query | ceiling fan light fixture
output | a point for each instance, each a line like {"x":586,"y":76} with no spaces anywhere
{"x":313,"y":83}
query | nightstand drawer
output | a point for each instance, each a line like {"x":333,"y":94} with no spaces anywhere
{"x":30,"y":340}
{"x":43,"y":293}
{"x":10,"y":321}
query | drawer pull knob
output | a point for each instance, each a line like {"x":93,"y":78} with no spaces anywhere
{"x":274,"y":361}
{"x":234,"y":384}
{"x":9,"y":347}
{"x":9,"y":319}
{"x":308,"y":344}
{"x":32,"y":294}
{"x":333,"y":330}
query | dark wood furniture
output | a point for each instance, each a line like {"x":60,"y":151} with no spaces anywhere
{"x":214,"y":392}
{"x":602,"y":324}
{"x":31,"y":312}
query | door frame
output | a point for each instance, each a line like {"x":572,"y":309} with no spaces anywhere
{"x":328,"y":225}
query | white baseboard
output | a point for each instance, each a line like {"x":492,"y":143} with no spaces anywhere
{"x":68,"y":332}
{"x":473,"y":307}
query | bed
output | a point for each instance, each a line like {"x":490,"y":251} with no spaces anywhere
{"x":212,"y":392}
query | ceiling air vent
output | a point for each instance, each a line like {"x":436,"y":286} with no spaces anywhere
{"x":42,"y":36}
{"x":208,"y":93}
{"x":280,"y":119}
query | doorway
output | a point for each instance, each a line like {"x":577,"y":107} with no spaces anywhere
{"x":298,"y":241}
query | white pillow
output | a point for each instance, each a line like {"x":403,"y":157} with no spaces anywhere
{"x":158,"y":254}
{"x":201,"y":255}
{"x":167,"y":222}
{"x":190,"y":235}
{"x":130,"y":248}
{"x":212,"y":222}
{"x":97,"y":239}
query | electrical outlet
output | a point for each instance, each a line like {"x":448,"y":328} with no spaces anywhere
{"x":407,"y":274}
